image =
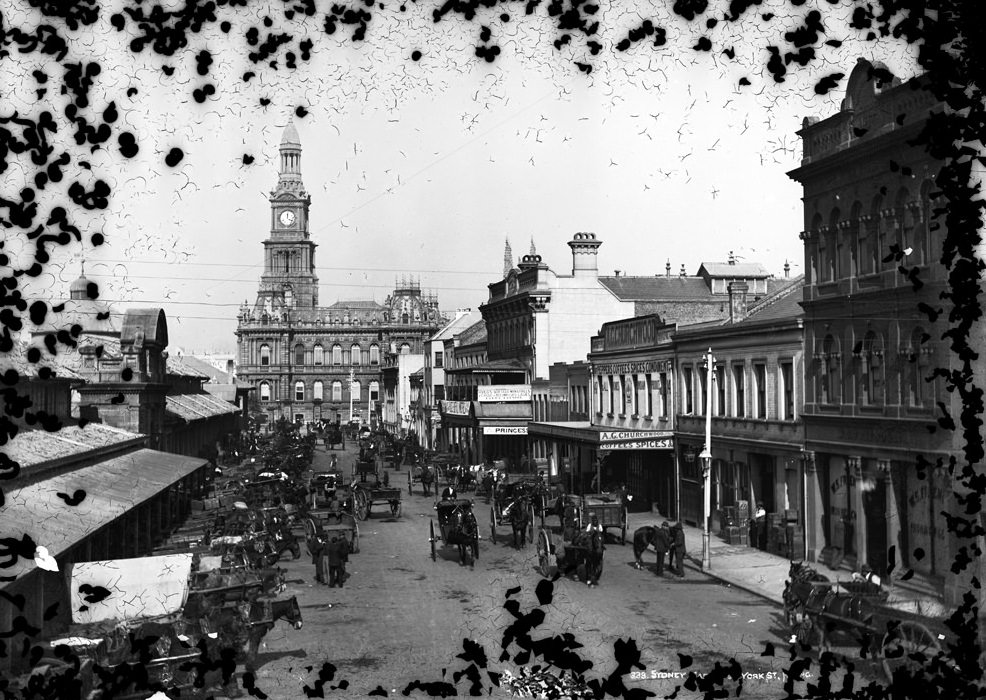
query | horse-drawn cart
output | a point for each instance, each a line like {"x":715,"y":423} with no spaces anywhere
{"x":611,"y":510}
{"x":515,"y":489}
{"x":583,"y":556}
{"x":320,"y":529}
{"x":815,"y":606}
{"x":456,"y":526}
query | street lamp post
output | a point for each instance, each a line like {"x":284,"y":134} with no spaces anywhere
{"x":706,"y":458}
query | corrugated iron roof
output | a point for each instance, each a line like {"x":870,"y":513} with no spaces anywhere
{"x":657,"y":288}
{"x":784,"y":304}
{"x":476,"y":333}
{"x":458,"y":324}
{"x":226,"y":392}
{"x":16,"y":360}
{"x":113,"y":487}
{"x":34,"y":447}
{"x":739,"y":269}
{"x":192,"y":407}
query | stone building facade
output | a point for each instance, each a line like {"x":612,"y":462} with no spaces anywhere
{"x":310,"y":362}
{"x":878,"y":478}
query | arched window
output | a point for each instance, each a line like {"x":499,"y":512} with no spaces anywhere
{"x":405,"y":349}
{"x":875,"y":234}
{"x":857,"y":240}
{"x":337,"y":391}
{"x":265,"y":354}
{"x":828,"y":377}
{"x":356,"y":389}
{"x":299,"y":354}
{"x":318,"y":355}
{"x":317,"y":391}
{"x":355,"y":355}
{"x":871,"y":381}
{"x":337,"y":354}
{"x":405,"y":318}
{"x":374,"y":354}
{"x":299,"y":391}
{"x":374,"y":391}
{"x":831,"y":272}
{"x":917,"y":357}
{"x":264,"y":391}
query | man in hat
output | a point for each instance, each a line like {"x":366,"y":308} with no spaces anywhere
{"x":338,"y":556}
{"x":594,"y":525}
{"x":662,"y":543}
{"x":318,"y":547}
{"x":676,"y":556}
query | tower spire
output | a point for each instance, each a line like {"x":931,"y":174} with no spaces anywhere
{"x":289,"y":175}
{"x":533,"y":251}
{"x":508,"y":258}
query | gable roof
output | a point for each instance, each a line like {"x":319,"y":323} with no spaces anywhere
{"x":458,"y":324}
{"x":784,"y":304}
{"x":656,"y":288}
{"x":476,"y":333}
{"x":732,"y":270}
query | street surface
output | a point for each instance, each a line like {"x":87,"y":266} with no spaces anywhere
{"x":402,"y":618}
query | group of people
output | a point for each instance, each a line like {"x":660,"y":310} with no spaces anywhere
{"x":330,"y":559}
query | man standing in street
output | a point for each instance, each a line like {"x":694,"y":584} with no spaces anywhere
{"x":317,"y":546}
{"x":677,"y":558}
{"x":338,"y":556}
{"x":662,"y":543}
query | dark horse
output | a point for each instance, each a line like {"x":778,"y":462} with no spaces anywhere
{"x":427,"y":477}
{"x":246,"y":625}
{"x":520,"y":520}
{"x":644,"y":537}
{"x":587,"y":552}
{"x":463,"y":531}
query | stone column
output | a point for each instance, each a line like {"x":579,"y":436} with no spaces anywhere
{"x":814,"y":507}
{"x":885,"y":469}
{"x":856,"y":514}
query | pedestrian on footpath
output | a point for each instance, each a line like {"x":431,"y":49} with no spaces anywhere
{"x":662,"y":543}
{"x":678,"y":550}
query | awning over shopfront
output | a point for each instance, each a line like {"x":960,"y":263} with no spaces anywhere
{"x":193,"y":407}
{"x":604,"y":437}
{"x":112,"y":488}
{"x":142,"y":587}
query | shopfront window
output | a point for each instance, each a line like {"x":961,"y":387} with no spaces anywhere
{"x":686,"y":390}
{"x":739,"y":391}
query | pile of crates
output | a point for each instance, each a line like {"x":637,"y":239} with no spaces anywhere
{"x":784,"y":537}
{"x":736,"y":523}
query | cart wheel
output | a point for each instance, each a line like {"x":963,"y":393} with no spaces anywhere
{"x":910,"y":645}
{"x":311,"y":532}
{"x":431,"y":524}
{"x":544,"y":553}
{"x":804,"y":630}
{"x":493,"y":524}
{"x":530,"y":526}
{"x":395,"y":509}
{"x":409,"y":491}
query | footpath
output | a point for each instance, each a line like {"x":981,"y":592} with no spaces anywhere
{"x":764,"y":574}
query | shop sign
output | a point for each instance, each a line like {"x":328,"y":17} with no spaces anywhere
{"x":613,"y":436}
{"x":656,"y":444}
{"x":505,"y":430}
{"x":455,"y":408}
{"x":503,"y":392}
{"x":633,"y":367}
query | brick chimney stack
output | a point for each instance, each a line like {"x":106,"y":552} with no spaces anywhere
{"x":585,"y":247}
{"x":667,"y":269}
{"x":737,"y":301}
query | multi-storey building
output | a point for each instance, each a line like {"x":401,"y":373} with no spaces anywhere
{"x":311,"y":362}
{"x":428,"y":418}
{"x":757,"y":433}
{"x":878,"y":478}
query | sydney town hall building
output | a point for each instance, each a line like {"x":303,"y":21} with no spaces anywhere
{"x":312,"y":362}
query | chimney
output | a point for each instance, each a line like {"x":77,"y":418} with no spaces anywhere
{"x":732,"y":258}
{"x":667,"y":269}
{"x":737,"y":301}
{"x":585,"y":248}
{"x":682,"y":273}
{"x":617,"y":273}
{"x":787,"y":269}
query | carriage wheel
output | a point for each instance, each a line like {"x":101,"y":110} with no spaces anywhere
{"x":311,"y":532}
{"x":530,"y":526}
{"x":910,"y":646}
{"x":493,"y":524}
{"x":395,"y":508}
{"x":409,"y":491}
{"x":544,"y":553}
{"x":431,"y":524}
{"x":362,"y":505}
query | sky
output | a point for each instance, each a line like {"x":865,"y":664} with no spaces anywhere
{"x":424,"y":168}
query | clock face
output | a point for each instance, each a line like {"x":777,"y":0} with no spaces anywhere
{"x":287,"y":218}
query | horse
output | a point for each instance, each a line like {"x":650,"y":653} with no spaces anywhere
{"x":798,"y":589}
{"x":588,"y":554}
{"x":247,"y":624}
{"x":520,"y":520}
{"x":643,"y":537}
{"x":427,"y":477}
{"x":462,"y":530}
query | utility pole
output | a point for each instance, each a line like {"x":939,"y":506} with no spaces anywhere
{"x":706,"y":458}
{"x":352,"y":379}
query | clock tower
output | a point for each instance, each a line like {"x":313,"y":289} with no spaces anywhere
{"x":289,"y":280}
